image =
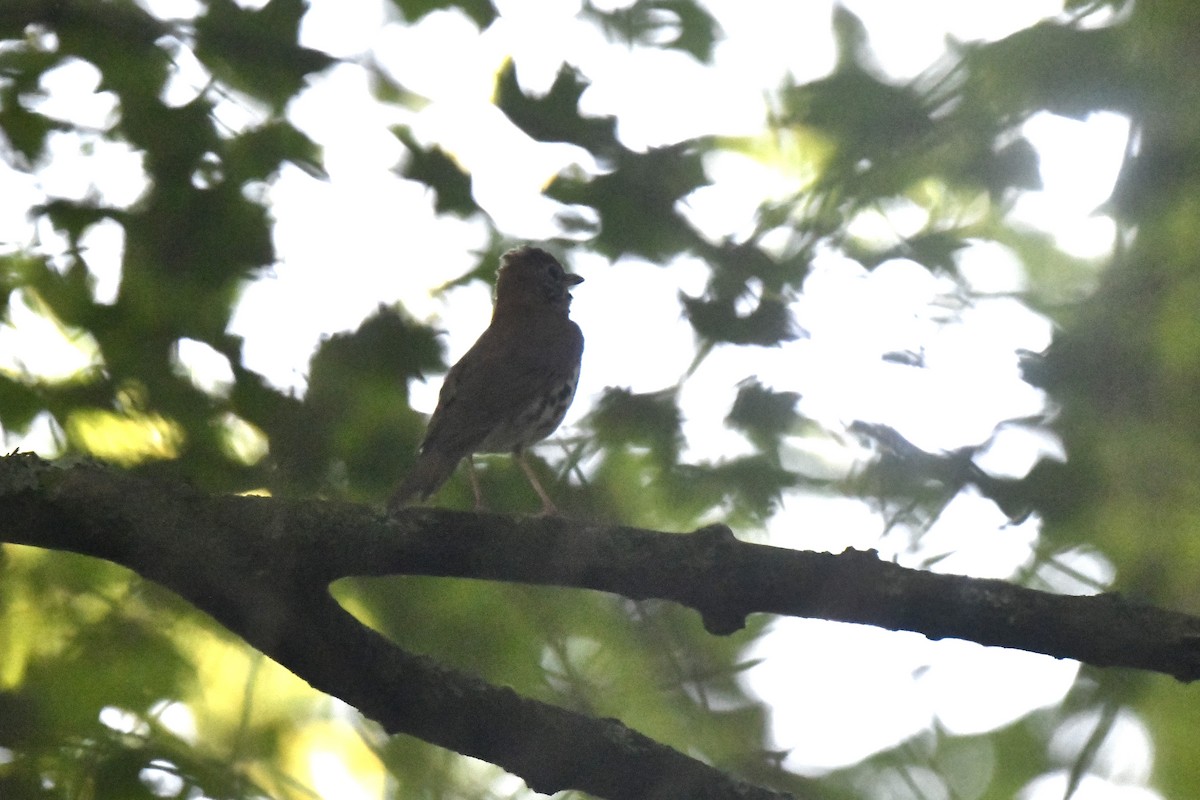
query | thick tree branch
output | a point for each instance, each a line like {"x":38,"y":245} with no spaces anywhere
{"x":726,"y":579}
{"x":261,"y":566}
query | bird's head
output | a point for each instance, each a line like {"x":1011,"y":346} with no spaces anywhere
{"x":530,"y":276}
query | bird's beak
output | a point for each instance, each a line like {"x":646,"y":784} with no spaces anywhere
{"x":572,"y":279}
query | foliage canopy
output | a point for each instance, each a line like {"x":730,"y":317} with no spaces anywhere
{"x":111,"y":687}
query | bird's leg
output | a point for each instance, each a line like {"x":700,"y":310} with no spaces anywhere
{"x":548,"y":507}
{"x":475,"y":487}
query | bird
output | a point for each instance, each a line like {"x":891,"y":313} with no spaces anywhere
{"x":513,"y":387}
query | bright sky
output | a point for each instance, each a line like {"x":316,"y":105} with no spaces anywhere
{"x":839,"y":692}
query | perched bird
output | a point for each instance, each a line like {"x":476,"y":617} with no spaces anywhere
{"x":513,"y":387}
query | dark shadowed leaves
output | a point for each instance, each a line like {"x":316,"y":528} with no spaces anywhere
{"x":259,"y":153}
{"x":21,"y":69}
{"x":862,"y":115}
{"x":718,"y":319}
{"x":675,"y":24}
{"x":354,"y":430}
{"x":934,"y":250}
{"x":19,"y":404}
{"x":256,"y":51}
{"x":750,"y":486}
{"x":450,"y":183}
{"x":651,"y":420}
{"x":174,"y":139}
{"x":482,"y":12}
{"x":636,"y":201}
{"x":1066,"y":69}
{"x":555,"y":117}
{"x":763,"y":414}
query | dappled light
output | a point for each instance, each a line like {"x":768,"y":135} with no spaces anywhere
{"x":917,"y":282}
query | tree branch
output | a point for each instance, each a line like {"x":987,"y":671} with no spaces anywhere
{"x":261,"y":567}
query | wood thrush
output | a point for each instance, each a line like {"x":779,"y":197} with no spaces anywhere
{"x":513,"y":387}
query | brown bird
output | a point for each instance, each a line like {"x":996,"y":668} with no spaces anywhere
{"x":513,"y":387}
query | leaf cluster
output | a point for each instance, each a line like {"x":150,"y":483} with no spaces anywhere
{"x":856,"y":142}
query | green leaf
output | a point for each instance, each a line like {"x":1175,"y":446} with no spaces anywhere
{"x":934,"y":249}
{"x":651,"y":419}
{"x":25,"y":130}
{"x":450,"y":183}
{"x":355,"y":421}
{"x":1063,"y":68}
{"x":864,"y":117}
{"x":718,"y":320}
{"x":259,"y":153}
{"x":763,"y":414}
{"x":483,"y":12}
{"x":122,"y":40}
{"x":72,"y":217}
{"x":637,"y":200}
{"x":257,"y":51}
{"x":672,"y":24}
{"x":555,"y":117}
{"x":1015,"y":166}
{"x":19,"y":405}
{"x":175,"y":140}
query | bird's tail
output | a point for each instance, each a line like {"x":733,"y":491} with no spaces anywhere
{"x":432,"y":469}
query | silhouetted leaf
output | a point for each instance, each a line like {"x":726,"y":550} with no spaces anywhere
{"x":256,"y":51}
{"x":718,"y":320}
{"x":555,"y":117}
{"x":355,"y":421}
{"x":637,"y":200}
{"x":19,"y":404}
{"x":763,"y":414}
{"x":482,"y":12}
{"x":864,"y":117}
{"x":1066,"y":69}
{"x":934,"y":250}
{"x":652,"y":420}
{"x":25,"y":130}
{"x":258,"y":154}
{"x":675,"y":24}
{"x":431,"y":166}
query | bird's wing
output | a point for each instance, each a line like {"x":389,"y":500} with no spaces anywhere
{"x":503,"y":372}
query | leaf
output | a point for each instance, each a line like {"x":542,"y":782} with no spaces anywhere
{"x":258,"y":51}
{"x":355,"y":420}
{"x":555,"y":117}
{"x":67,"y":293}
{"x":1015,"y":166}
{"x":672,"y":24}
{"x":482,"y":12}
{"x":718,"y":320}
{"x":72,"y":217}
{"x":650,"y":419}
{"x":636,"y":201}
{"x":258,"y":154}
{"x":175,"y":140}
{"x":21,"y":71}
{"x":754,"y":484}
{"x":1063,"y":68}
{"x":25,"y":130}
{"x":19,"y":405}
{"x":934,"y":249}
{"x":119,"y":39}
{"x":450,"y":183}
{"x":865,"y":117}
{"x":763,"y":414}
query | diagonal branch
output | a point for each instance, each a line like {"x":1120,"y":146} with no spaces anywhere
{"x":726,"y":580}
{"x":260,"y":566}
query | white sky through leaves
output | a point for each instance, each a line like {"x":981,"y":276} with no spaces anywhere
{"x":839,"y":692}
